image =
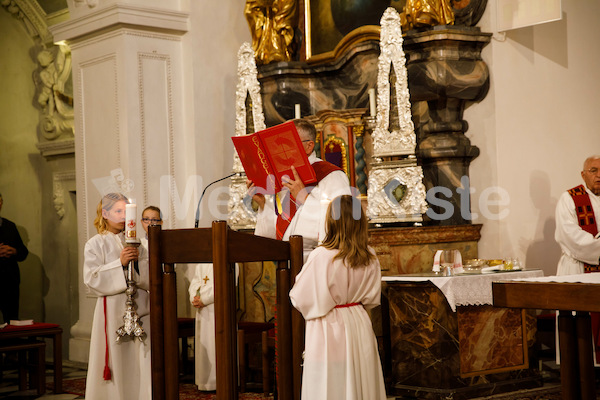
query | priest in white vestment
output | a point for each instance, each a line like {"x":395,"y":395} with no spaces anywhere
{"x":579,"y":246}
{"x":577,"y":234}
{"x":309,"y":218}
{"x":116,"y":371}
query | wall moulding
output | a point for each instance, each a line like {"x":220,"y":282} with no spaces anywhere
{"x":122,"y":15}
{"x":32,"y":15}
{"x":57,"y":148}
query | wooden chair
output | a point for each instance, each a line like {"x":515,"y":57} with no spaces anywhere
{"x":255,"y":333}
{"x":223,"y":247}
{"x":186,"y":328}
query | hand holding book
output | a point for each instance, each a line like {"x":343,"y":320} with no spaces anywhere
{"x":296,"y":186}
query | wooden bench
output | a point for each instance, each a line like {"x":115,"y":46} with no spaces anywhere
{"x":39,"y":330}
{"x":36,"y":364}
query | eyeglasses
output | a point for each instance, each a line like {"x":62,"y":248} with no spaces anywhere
{"x":592,"y":171}
{"x":153,"y":220}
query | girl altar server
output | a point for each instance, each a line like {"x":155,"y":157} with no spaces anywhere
{"x":339,"y":282}
{"x":116,"y":370}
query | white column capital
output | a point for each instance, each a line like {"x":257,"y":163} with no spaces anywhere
{"x":118,"y":15}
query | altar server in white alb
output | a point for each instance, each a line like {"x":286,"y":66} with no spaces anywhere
{"x":116,"y":370}
{"x":338,"y":283}
{"x":202,"y":297}
{"x":577,"y":225}
{"x":306,"y":214}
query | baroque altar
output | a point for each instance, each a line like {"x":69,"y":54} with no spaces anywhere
{"x":329,"y":83}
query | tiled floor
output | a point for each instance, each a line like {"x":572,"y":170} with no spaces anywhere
{"x":9,"y":388}
{"x":9,"y":382}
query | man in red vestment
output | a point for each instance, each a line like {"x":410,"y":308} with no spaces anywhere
{"x":297,"y":209}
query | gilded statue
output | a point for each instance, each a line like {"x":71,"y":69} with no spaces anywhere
{"x":422,"y":13}
{"x":272,"y":24}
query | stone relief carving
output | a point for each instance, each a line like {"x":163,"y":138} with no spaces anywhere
{"x":249,"y":118}
{"x":58,"y":191}
{"x":53,"y":78}
{"x":55,"y":96}
{"x":80,"y":3}
{"x":32,"y":15}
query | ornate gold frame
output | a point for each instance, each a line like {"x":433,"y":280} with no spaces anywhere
{"x":358,"y":35}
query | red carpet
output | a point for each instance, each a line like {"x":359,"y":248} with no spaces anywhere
{"x":187,"y":391}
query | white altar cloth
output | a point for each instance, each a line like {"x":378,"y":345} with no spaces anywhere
{"x":470,"y":290}
{"x":577,"y":278}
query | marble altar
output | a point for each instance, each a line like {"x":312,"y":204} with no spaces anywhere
{"x":409,"y":250}
{"x":433,"y":352}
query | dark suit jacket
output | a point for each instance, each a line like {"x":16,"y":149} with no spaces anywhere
{"x":9,"y":269}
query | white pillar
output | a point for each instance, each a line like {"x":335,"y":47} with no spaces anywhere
{"x":133,"y":117}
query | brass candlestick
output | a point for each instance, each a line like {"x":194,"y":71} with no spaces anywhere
{"x":132,"y":327}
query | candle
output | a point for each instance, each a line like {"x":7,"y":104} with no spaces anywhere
{"x":130,"y":222}
{"x":297,"y":111}
{"x":372,"y":102}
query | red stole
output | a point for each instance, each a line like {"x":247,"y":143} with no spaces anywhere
{"x":286,"y":207}
{"x":587,"y":222}
{"x":585,"y":216}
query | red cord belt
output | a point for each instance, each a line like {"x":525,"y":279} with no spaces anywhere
{"x":348,"y":305}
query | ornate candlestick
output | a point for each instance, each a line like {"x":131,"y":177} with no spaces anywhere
{"x":132,"y":327}
{"x":396,"y":192}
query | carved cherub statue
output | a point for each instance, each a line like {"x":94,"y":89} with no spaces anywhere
{"x":55,"y":97}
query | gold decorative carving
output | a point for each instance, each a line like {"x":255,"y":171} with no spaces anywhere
{"x":419,"y":13}
{"x":272,"y":24}
{"x":331,"y":140}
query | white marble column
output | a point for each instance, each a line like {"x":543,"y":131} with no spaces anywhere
{"x":133,"y":117}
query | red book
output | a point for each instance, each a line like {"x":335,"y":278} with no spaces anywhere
{"x":273,"y":151}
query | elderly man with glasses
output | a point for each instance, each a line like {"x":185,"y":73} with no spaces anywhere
{"x":577,"y":224}
{"x":577,"y":234}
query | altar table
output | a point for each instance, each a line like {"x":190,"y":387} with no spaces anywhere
{"x":564,"y":293}
{"x":444,"y":338}
{"x":40,"y":330}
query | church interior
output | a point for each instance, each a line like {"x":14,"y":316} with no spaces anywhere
{"x":458,"y":123}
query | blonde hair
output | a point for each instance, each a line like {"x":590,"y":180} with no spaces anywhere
{"x":107,"y":203}
{"x":346,"y":231}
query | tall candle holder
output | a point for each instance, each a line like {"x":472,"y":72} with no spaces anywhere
{"x":132,"y":328}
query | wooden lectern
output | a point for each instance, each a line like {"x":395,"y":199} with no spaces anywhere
{"x":223,"y":247}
